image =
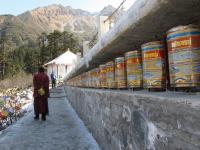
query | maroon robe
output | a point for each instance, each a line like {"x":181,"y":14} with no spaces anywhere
{"x":41,"y":102}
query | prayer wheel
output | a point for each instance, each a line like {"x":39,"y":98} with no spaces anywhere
{"x":89,"y":78}
{"x":102,"y":73}
{"x":84,"y":80}
{"x":97,"y":78}
{"x":133,"y":69}
{"x":184,"y":56}
{"x":153,"y":62}
{"x":120,"y":75}
{"x":110,"y":74}
{"x":92,"y":77}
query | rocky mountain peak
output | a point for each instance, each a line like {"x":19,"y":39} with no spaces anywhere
{"x":30,"y":24}
{"x":106,"y":11}
{"x":57,"y":10}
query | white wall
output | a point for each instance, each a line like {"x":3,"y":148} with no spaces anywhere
{"x":103,"y":27}
{"x":59,"y":70}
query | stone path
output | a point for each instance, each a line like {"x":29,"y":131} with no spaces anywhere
{"x":63,"y":130}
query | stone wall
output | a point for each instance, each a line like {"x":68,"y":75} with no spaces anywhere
{"x":126,"y":120}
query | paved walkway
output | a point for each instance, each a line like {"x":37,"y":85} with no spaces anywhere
{"x":62,"y":130}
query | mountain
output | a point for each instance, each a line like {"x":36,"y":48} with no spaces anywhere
{"x":108,"y":10}
{"x":15,"y":32}
{"x":25,"y":28}
{"x":58,"y":17}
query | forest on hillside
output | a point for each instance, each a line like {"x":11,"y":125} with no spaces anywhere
{"x":26,"y":58}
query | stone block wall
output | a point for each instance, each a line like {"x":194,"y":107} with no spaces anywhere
{"x":126,"y":120}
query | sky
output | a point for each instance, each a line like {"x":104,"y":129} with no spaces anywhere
{"x":16,"y":7}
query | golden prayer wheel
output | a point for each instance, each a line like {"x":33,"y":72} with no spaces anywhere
{"x":184,"y":56}
{"x":120,"y":75}
{"x":84,"y":80}
{"x":133,"y":69}
{"x":153,"y":62}
{"x":89,"y":78}
{"x":102,"y":75}
{"x":97,"y":78}
{"x":92,"y":78}
{"x":110,"y":74}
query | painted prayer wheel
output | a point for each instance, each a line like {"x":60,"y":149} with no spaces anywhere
{"x":84,"y":80}
{"x":73,"y":82}
{"x":76,"y":81}
{"x":92,"y":78}
{"x":89,"y":78}
{"x":133,"y":69}
{"x":102,"y":74}
{"x":120,"y":75}
{"x":79,"y":81}
{"x":153,"y":62}
{"x":97,"y":78}
{"x":184,"y":56}
{"x":110,"y":74}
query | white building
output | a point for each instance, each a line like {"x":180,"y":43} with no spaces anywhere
{"x":62,"y":65}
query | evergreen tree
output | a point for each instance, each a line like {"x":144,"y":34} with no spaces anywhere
{"x":28,"y":57}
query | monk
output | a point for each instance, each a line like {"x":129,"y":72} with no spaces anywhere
{"x":41,"y":93}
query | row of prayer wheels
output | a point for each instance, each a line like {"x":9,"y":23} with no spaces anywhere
{"x":151,"y":66}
